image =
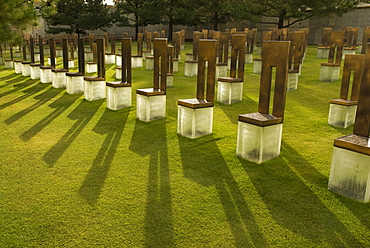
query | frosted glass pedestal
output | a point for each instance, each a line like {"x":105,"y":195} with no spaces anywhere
{"x":342,"y":114}
{"x":257,"y":65}
{"x":110,"y":59}
{"x":221,"y":70}
{"x":91,"y":67}
{"x":292,"y":83}
{"x":118,"y":95}
{"x":18,"y":66}
{"x":149,"y":63}
{"x":169,"y":81}
{"x":35,"y":71}
{"x":329,"y":73}
{"x":95,"y":88}
{"x":175,"y":65}
{"x":59,"y":52}
{"x":322,"y":52}
{"x":89,"y":56}
{"x":118,"y":59}
{"x":136,"y":62}
{"x":191,"y":68}
{"x":248,"y":58}
{"x":350,"y":169}
{"x":118,"y":72}
{"x":9,"y":64}
{"x":49,"y":61}
{"x":75,"y":83}
{"x":59,"y":78}
{"x":26,"y":68}
{"x":359,"y":48}
{"x":45,"y":74}
{"x":258,"y":49}
{"x":230,"y":90}
{"x":194,"y":122}
{"x":71,"y":63}
{"x":1,"y":60}
{"x":348,"y":51}
{"x":189,"y":56}
{"x":150,"y":104}
{"x":258,"y":143}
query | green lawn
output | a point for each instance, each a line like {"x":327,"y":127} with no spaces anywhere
{"x":76,"y":174}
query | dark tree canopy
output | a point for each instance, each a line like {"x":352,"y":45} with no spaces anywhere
{"x":78,"y":16}
{"x":15,"y":17}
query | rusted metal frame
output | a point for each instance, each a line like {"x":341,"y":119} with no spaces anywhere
{"x":126,"y":66}
{"x":355,"y":63}
{"x":237,"y":56}
{"x":207,"y":52}
{"x":274,"y":54}
{"x":336,"y":47}
{"x":160,"y":64}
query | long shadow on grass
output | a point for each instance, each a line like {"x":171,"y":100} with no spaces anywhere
{"x":36,"y":86}
{"x":10,"y":80}
{"x":149,"y":139}
{"x":42,"y":99}
{"x":234,"y":110}
{"x":82,"y":114}
{"x":110,"y":124}
{"x":204,"y":164}
{"x":292,"y":203}
{"x":60,"y":105}
{"x":10,"y":76}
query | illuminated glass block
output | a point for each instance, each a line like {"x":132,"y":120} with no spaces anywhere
{"x":249,"y":58}
{"x":329,"y":73}
{"x":118,"y":97}
{"x":59,"y":79}
{"x":229,"y":92}
{"x":350,"y":174}
{"x":75,"y":84}
{"x":175,"y":65}
{"x":191,"y":68}
{"x":292,"y":83}
{"x":18,"y":66}
{"x":26,"y":69}
{"x":35,"y":71}
{"x":110,"y":59}
{"x":322,"y":52}
{"x":221,"y":70}
{"x":118,"y":72}
{"x":149,"y":63}
{"x":71,"y":63}
{"x":258,"y":143}
{"x":9,"y":64}
{"x":91,"y":67}
{"x":257,"y":66}
{"x":169,"y":81}
{"x":136,"y":62}
{"x":150,"y":107}
{"x":89,"y":56}
{"x":94,"y":89}
{"x":45,"y":75}
{"x":194,"y":122}
{"x":342,"y":115}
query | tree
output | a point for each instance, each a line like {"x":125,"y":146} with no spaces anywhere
{"x":77,"y":16}
{"x":298,"y":10}
{"x":15,"y":17}
{"x":136,"y":13}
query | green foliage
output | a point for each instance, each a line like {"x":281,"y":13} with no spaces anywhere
{"x":77,"y":16}
{"x":15,"y":17}
{"x":297,"y":10}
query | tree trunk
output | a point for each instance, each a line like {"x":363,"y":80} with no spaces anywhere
{"x":215,"y":22}
{"x":281,"y":22}
{"x":136,"y":26}
{"x":170,"y":29}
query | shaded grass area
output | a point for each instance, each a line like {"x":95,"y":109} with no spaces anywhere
{"x":76,"y":174}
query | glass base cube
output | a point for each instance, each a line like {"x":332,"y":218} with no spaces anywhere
{"x":18,"y":67}
{"x":150,"y":107}
{"x":191,"y":68}
{"x":110,"y":59}
{"x":118,"y":72}
{"x":194,"y":122}
{"x":118,"y":97}
{"x":94,"y":89}
{"x":137,"y":62}
{"x":26,"y":69}
{"x":91,"y":67}
{"x":9,"y":64}
{"x":59,"y":79}
{"x":350,"y":174}
{"x":229,"y":92}
{"x":49,"y":61}
{"x":89,"y":56}
{"x":75,"y":84}
{"x":329,"y":73}
{"x":35,"y":72}
{"x":118,"y":59}
{"x":175,"y":65}
{"x":169,"y":81}
{"x":45,"y":75}
{"x":71,"y":63}
{"x":292,"y":83}
{"x":342,"y":115}
{"x":258,"y":143}
{"x":146,"y":54}
{"x":149,"y":63}
{"x":257,"y":66}
{"x":347,"y":51}
{"x":248,"y":58}
{"x":322,"y":52}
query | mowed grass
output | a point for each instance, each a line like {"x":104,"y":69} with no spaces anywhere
{"x":76,"y":174}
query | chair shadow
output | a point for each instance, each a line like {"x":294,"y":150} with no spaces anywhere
{"x":60,"y":105}
{"x":82,"y":114}
{"x":42,"y":99}
{"x":292,"y":204}
{"x":111,"y":124}
{"x":204,"y":164}
{"x":10,"y":76}
{"x":36,"y":86}
{"x":149,"y":139}
{"x":247,"y":105}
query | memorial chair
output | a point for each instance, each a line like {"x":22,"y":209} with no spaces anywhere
{"x":195,"y":116}
{"x":259,"y":134}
